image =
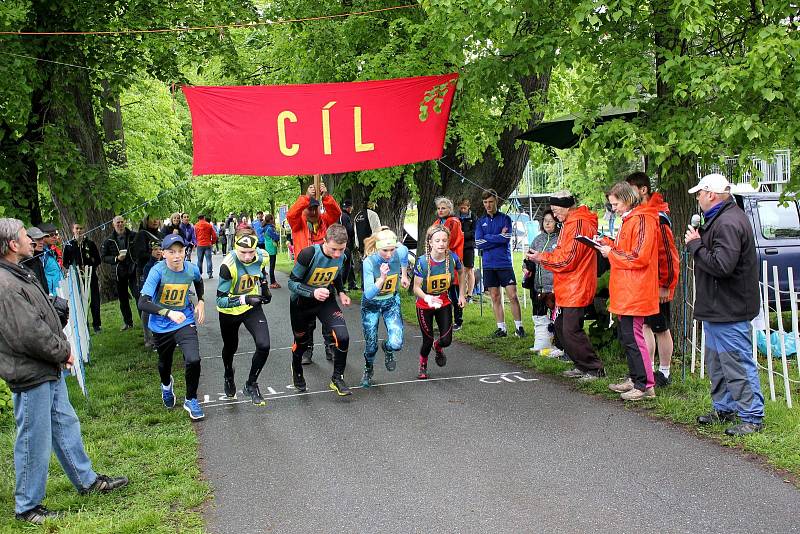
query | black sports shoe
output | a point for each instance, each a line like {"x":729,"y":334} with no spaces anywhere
{"x":307,"y":355}
{"x":328,"y":352}
{"x":230,"y":388}
{"x":742,"y":429}
{"x":661,"y":380}
{"x":457,"y":327}
{"x":104,"y":484}
{"x":714,"y":418}
{"x":254,"y":393}
{"x":441,"y":359}
{"x":519,"y":332}
{"x":299,"y":382}
{"x":337,"y":384}
{"x":500,"y":333}
{"x":37,"y":515}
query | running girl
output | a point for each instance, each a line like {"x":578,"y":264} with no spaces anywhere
{"x":433,"y":275}
{"x":385,"y":264}
{"x":241,"y":291}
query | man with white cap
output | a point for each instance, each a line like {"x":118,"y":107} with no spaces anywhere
{"x":726,"y":300}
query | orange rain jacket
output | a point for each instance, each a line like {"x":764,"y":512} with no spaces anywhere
{"x":574,"y":265}
{"x":633,"y":287}
{"x":303,"y":235}
{"x":669,"y":262}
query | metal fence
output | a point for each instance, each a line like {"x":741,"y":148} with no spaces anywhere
{"x":767,"y":175}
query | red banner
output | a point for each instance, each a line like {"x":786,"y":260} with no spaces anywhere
{"x":277,"y":130}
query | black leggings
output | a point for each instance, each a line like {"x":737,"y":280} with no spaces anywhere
{"x":444,"y":320}
{"x":272,"y":268}
{"x":256,"y":323}
{"x":304,"y":313}
{"x":186,"y":339}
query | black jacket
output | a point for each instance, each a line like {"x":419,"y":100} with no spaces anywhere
{"x":725,"y":268}
{"x":468,"y":227}
{"x":347,"y":222}
{"x":35,"y":266}
{"x":82,"y":254}
{"x":32,"y":343}
{"x":142,"y":246}
{"x":111,"y":248}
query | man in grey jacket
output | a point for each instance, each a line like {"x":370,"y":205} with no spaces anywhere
{"x":726,"y":300}
{"x":33,"y":350}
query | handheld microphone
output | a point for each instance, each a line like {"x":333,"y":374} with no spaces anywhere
{"x":696,"y":221}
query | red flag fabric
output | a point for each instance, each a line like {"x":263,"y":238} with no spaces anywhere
{"x":277,"y":130}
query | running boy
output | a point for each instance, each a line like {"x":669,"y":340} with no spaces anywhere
{"x":434,"y":273}
{"x":385,"y":263}
{"x":243,"y":287}
{"x":314,"y":283}
{"x":165,"y":296}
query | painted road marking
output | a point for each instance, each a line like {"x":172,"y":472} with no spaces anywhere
{"x":488,"y":378}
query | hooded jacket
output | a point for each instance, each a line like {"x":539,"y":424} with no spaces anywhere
{"x":32,"y":343}
{"x":633,"y":287}
{"x":456,"y":244}
{"x":302,"y":233}
{"x":669,"y":263}
{"x":574,"y":265}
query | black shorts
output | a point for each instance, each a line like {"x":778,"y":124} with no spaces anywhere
{"x":469,"y":258}
{"x":499,"y":277}
{"x":660,"y":322}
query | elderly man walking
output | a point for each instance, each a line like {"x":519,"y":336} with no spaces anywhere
{"x":33,"y":350}
{"x":726,"y":300}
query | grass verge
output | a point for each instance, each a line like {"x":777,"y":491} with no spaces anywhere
{"x":126,"y":431}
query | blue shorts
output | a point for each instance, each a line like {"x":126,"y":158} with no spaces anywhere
{"x":499,"y":277}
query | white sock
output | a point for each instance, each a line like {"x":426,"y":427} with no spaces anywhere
{"x":501,"y":326}
{"x":664,"y":371}
{"x":518,"y":324}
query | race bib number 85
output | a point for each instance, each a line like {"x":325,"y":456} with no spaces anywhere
{"x":438,"y":283}
{"x":322,"y":276}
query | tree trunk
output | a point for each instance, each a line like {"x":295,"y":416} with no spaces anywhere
{"x":112,"y":125}
{"x":501,"y":174}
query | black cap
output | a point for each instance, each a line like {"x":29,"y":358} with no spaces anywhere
{"x":347,"y":203}
{"x":48,"y":228}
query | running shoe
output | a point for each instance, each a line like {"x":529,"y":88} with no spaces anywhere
{"x":441,"y":359}
{"x":307,"y":355}
{"x":194,"y":409}
{"x":105,"y":484}
{"x":743,"y":429}
{"x":275,"y":285}
{"x":254,"y":393}
{"x":457,"y":327}
{"x":572,"y":373}
{"x":423,"y":372}
{"x":366,"y":380}
{"x":662,"y":380}
{"x":622,"y":387}
{"x":230,"y":388}
{"x":338,"y":385}
{"x":328,"y":353}
{"x":167,"y":395}
{"x":389,"y":360}
{"x":519,"y":332}
{"x":299,"y":382}
{"x":715,"y":418}
{"x":638,"y":394}
{"x":500,"y":333}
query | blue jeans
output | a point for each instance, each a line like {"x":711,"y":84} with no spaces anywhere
{"x":371,"y":312}
{"x":204,"y":252}
{"x":735,"y":384}
{"x":45,"y":421}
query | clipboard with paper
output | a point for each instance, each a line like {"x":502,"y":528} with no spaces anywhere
{"x":588,"y":241}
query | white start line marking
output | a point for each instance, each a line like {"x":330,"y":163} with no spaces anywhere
{"x":508,"y":377}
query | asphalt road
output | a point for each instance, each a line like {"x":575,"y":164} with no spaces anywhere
{"x":482,"y":446}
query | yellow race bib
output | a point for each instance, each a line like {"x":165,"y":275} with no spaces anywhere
{"x":438,"y":284}
{"x":389,"y":285}
{"x":322,"y":276}
{"x":174,"y":294}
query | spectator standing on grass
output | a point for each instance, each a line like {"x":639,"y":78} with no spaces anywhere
{"x":33,"y":351}
{"x":633,"y":286}
{"x":82,"y":252}
{"x":468,"y":228}
{"x":50,"y":258}
{"x":445,"y":217}
{"x":540,"y":283}
{"x":493,"y":238}
{"x":205,"y":237}
{"x":574,"y":267}
{"x":148,"y":237}
{"x":657,"y":327}
{"x":34,"y":263}
{"x":726,"y":300}
{"x":116,"y":252}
